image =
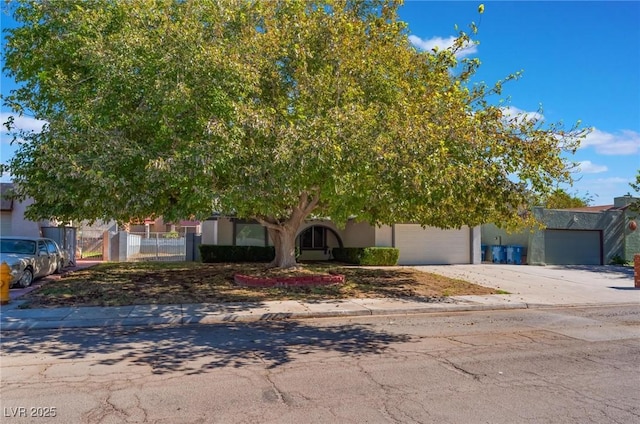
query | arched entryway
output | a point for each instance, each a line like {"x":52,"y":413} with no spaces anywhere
{"x":316,"y":242}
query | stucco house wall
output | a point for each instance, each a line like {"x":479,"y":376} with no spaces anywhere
{"x":12,"y":219}
{"x":222,"y":231}
{"x":359,"y":234}
{"x":631,"y":236}
{"x":617,"y":236}
{"x":610,"y":223}
{"x":225,"y":231}
{"x":384,"y":236}
{"x":492,"y":235}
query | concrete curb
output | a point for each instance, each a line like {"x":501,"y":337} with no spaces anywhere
{"x":180,"y":315}
{"x":66,"y":318}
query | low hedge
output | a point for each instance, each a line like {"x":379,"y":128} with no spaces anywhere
{"x":213,"y":253}
{"x":378,"y":256}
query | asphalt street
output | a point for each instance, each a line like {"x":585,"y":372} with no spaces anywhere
{"x":540,"y":365}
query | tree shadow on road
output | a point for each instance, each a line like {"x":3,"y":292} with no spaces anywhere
{"x":197,"y":349}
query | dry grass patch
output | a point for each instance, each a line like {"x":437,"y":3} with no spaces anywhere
{"x":120,"y":284}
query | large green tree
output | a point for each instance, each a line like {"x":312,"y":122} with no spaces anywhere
{"x":560,"y":199}
{"x":274,"y":111}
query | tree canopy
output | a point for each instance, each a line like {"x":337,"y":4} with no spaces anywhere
{"x":274,"y":111}
{"x":560,"y":199}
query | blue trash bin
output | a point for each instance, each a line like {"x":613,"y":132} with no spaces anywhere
{"x":514,"y":255}
{"x":498,"y":254}
{"x":483,"y":252}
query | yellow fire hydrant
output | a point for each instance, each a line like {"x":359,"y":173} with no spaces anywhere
{"x":5,"y":282}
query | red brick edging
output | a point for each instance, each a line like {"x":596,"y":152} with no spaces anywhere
{"x":312,"y":280}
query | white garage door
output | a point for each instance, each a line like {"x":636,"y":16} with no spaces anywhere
{"x":572,"y":247}
{"x":432,"y":246}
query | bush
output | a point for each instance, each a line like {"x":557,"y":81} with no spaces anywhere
{"x":372,"y":256}
{"x":619,"y":260}
{"x":214,"y":253}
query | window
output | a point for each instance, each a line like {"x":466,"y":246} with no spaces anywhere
{"x":314,"y":238}
{"x":51,"y":247}
{"x":42,"y":248}
{"x":250,"y":234}
{"x":18,"y":246}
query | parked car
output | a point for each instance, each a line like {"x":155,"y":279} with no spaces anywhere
{"x":30,"y":258}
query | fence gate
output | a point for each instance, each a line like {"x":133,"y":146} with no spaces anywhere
{"x":89,"y":243}
{"x":150,"y":246}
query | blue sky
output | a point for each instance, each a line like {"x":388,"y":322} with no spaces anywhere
{"x":580,"y":61}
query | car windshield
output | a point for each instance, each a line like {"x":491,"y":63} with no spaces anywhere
{"x":26,"y":247}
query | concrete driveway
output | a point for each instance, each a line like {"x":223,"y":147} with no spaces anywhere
{"x":552,"y":284}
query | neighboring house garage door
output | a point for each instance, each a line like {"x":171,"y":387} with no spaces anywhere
{"x":572,"y":247}
{"x":431,"y":246}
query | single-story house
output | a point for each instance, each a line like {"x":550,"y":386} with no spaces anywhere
{"x":12,"y":220}
{"x":593,"y":235}
{"x":316,"y":239}
{"x":14,"y":223}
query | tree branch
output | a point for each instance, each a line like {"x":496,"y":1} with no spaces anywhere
{"x":267,"y":224}
{"x":311,"y":205}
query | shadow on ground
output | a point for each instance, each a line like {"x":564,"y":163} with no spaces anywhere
{"x":613,"y":270}
{"x":194,"y":350}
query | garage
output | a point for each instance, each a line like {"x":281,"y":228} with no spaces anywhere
{"x":573,"y":247}
{"x":432,"y":246}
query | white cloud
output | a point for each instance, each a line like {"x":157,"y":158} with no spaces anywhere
{"x":6,"y":177}
{"x":442,"y":43}
{"x":603,"y":190}
{"x":513,"y":112}
{"x":588,"y":167}
{"x":20,"y":123}
{"x":626,"y":142}
{"x":612,"y":180}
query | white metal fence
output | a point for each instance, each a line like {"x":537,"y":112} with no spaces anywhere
{"x":90,"y":243}
{"x":156,"y":247}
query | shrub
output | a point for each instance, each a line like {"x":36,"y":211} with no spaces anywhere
{"x":214,"y":253}
{"x":619,"y":260}
{"x":378,"y":256}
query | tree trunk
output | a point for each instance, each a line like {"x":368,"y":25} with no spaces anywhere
{"x":284,"y":241}
{"x":283,"y":233}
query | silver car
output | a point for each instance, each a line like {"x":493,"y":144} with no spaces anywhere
{"x":30,"y":258}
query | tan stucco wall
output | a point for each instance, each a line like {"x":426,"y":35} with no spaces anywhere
{"x":493,"y":235}
{"x":225,"y":232}
{"x":14,"y":223}
{"x":210,"y":232}
{"x":477,"y":255}
{"x":384,"y":236}
{"x":359,"y":234}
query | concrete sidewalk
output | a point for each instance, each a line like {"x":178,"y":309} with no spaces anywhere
{"x":13,"y":318}
{"x":528,"y":287}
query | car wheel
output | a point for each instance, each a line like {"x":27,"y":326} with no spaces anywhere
{"x":26,"y":279}
{"x":59,"y":266}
